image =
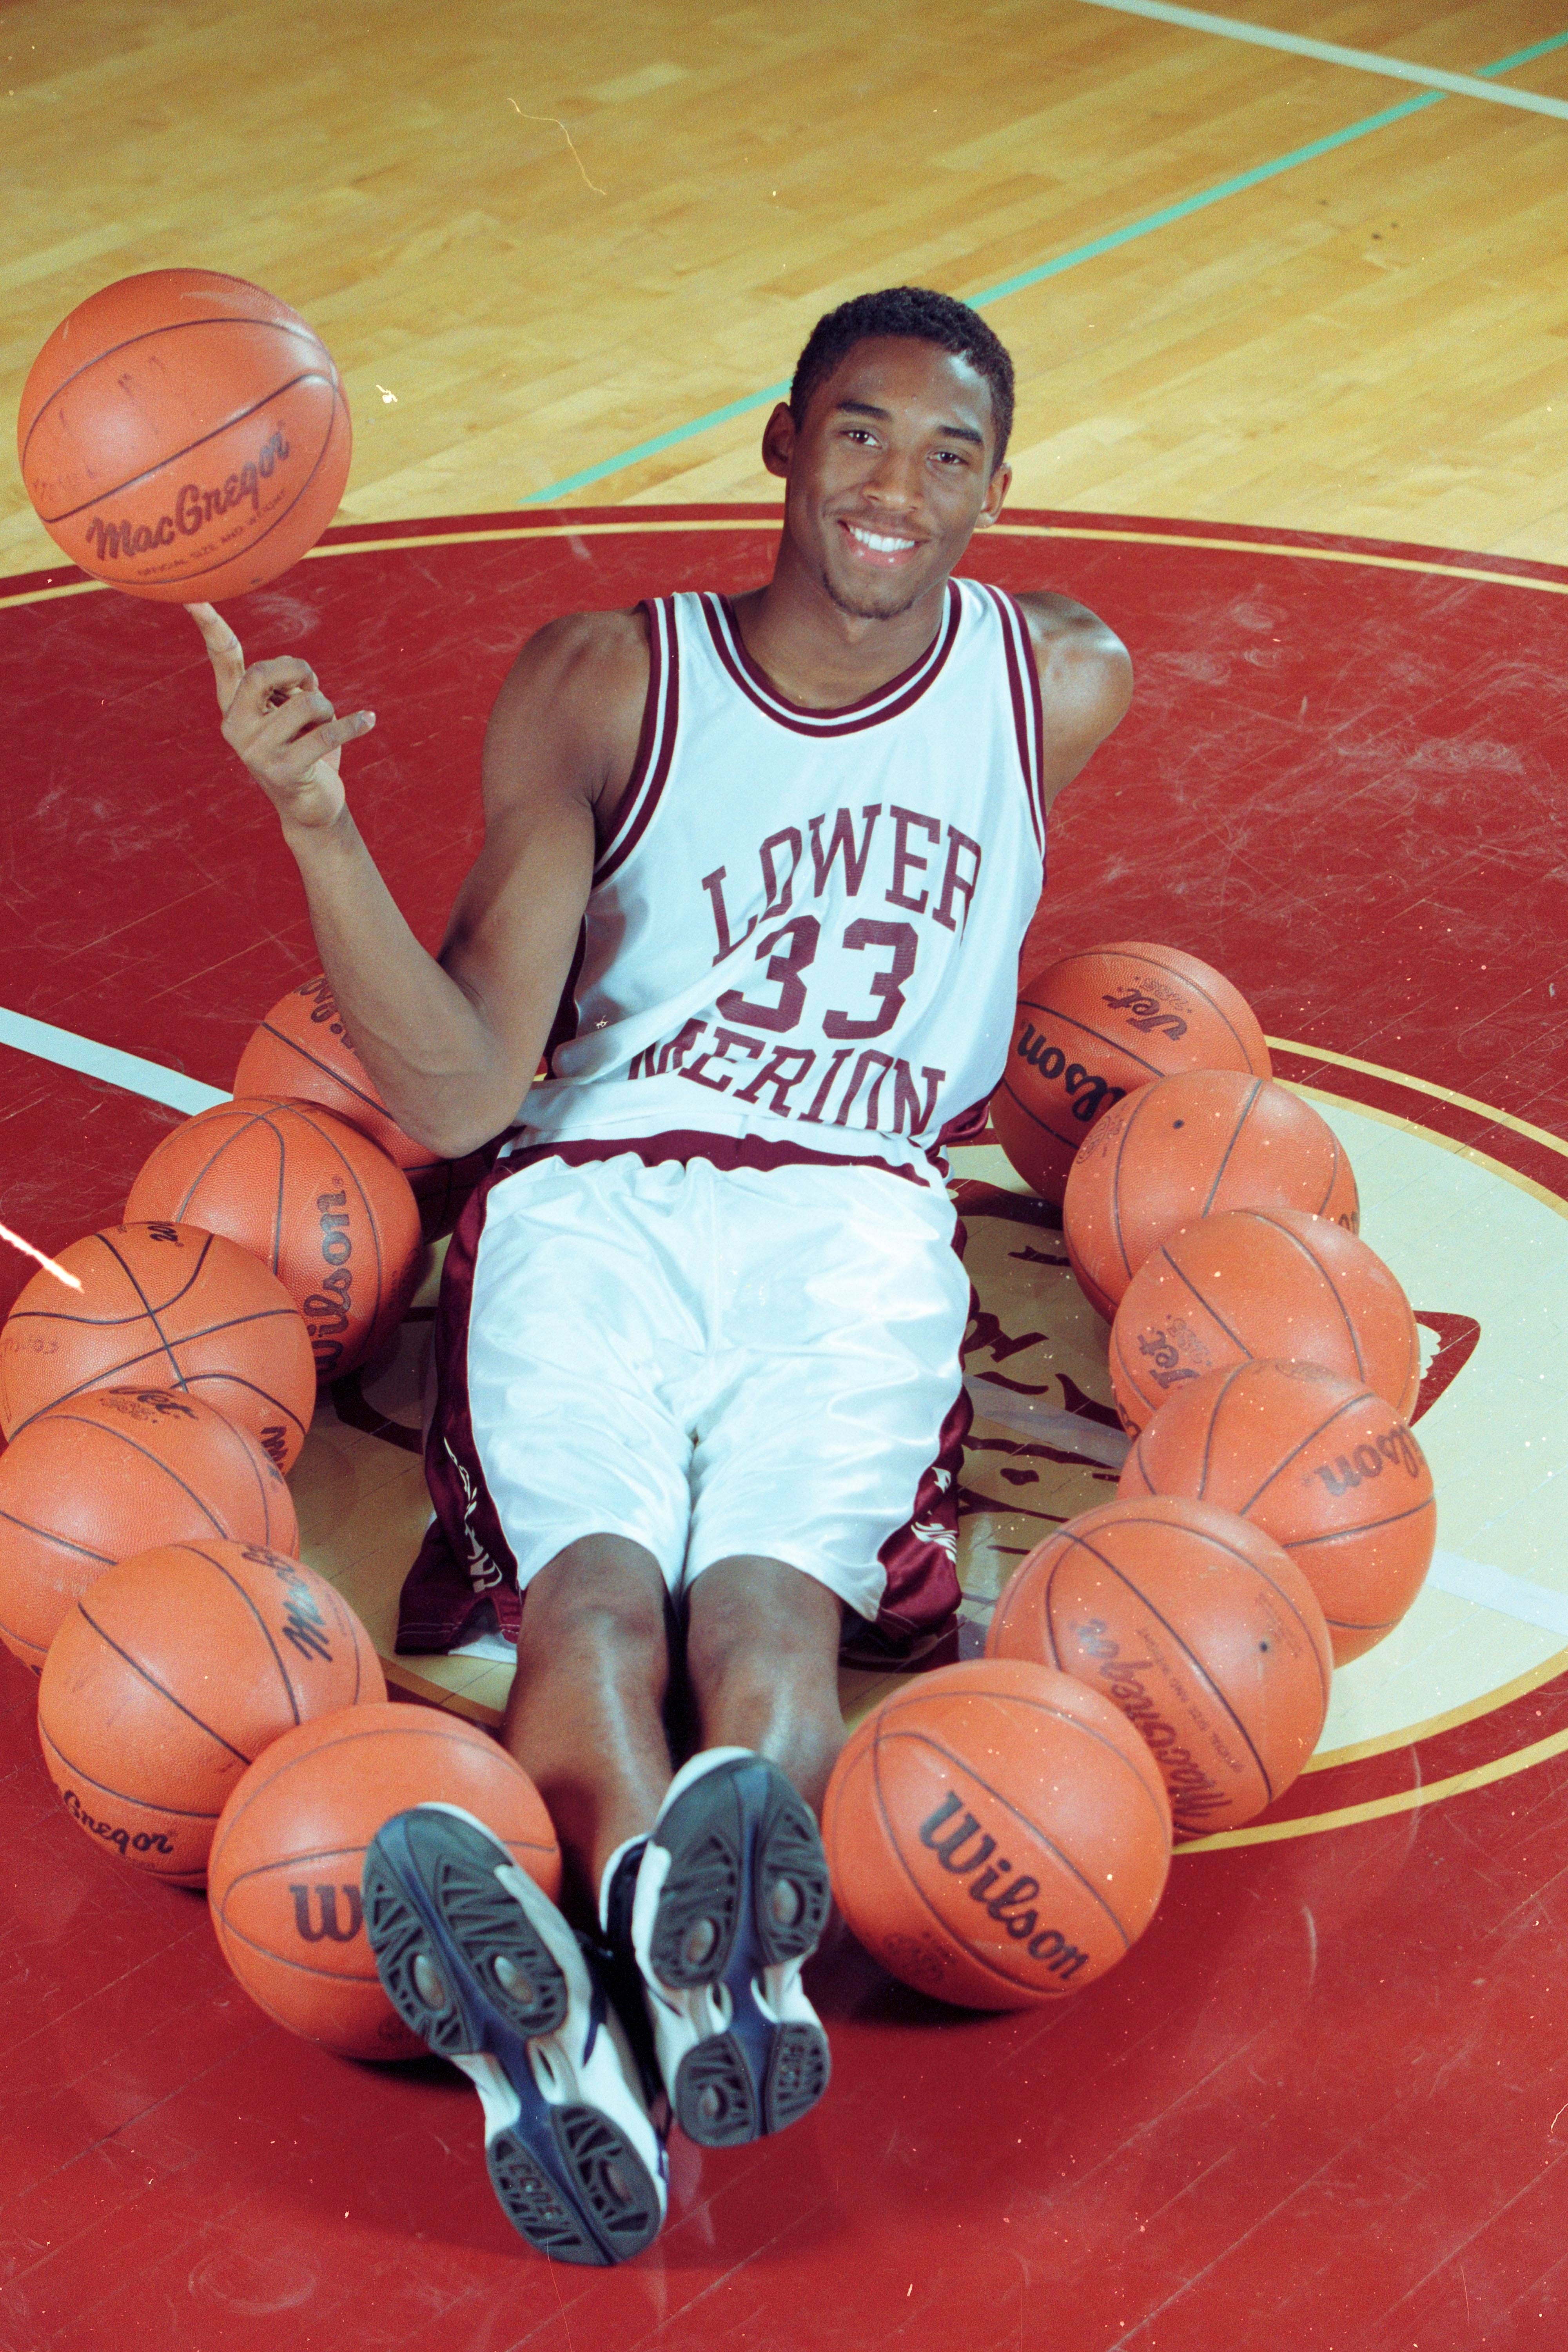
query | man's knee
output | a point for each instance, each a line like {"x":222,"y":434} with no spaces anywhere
{"x":761,"y":1613}
{"x":602,"y":1591}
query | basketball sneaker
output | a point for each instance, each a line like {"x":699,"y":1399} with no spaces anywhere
{"x":731,"y":1897}
{"x":480,"y":1963}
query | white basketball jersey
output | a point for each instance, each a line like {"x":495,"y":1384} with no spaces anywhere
{"x":803,"y":929}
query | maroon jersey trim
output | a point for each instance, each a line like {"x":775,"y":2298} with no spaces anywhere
{"x":889,"y":701}
{"x":656,"y":744}
{"x":722,"y":1151}
{"x":1028,"y":716}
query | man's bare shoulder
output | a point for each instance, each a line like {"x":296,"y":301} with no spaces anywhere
{"x":1086,"y":671}
{"x":1086,"y":681}
{"x":1065,"y":631}
{"x":591,"y":654}
{"x":573,"y":700}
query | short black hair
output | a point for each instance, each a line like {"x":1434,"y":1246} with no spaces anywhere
{"x":922,"y":316}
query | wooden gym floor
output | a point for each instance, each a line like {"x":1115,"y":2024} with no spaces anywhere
{"x":1290,"y":335}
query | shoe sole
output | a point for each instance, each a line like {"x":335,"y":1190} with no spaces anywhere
{"x":466,"y":1963}
{"x":746,"y":1890}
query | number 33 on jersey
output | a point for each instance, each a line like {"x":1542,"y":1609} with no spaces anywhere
{"x":805,"y":925}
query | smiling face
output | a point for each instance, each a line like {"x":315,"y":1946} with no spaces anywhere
{"x":888,"y":474}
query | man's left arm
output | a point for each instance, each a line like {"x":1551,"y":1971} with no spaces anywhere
{"x":1086,"y":682}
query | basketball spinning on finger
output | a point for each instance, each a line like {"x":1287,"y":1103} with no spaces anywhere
{"x":1262,"y":1282}
{"x":162,"y":1305}
{"x":313,"y":1199}
{"x":1198,"y":1627}
{"x":1330,"y":1470}
{"x":1189,"y":1147}
{"x":1094,"y":1026}
{"x":183,"y":435}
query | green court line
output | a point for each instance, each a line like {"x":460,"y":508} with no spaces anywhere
{"x":1110,"y":242}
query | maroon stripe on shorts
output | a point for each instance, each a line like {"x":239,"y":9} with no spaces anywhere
{"x":724,"y":1151}
{"x":464,"y":1580}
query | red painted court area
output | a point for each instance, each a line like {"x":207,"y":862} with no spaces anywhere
{"x":1323,"y":2104}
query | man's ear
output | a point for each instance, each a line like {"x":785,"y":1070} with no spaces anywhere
{"x":996,"y":490}
{"x":778,"y":440}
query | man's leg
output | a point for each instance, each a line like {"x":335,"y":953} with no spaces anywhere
{"x":480,"y":1962}
{"x":763,"y":1653}
{"x":585,"y":1716}
{"x":732,"y":1892}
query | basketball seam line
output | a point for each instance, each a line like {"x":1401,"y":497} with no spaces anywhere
{"x":1328,"y":1279}
{"x":163,"y":1691}
{"x":173,"y":1475}
{"x":1043,"y":1835}
{"x":170,"y":326}
{"x":181,"y":1812}
{"x":151,"y":1314}
{"x":1369,"y":1528}
{"x":967,"y":1951}
{"x":134,"y":481}
{"x":373,"y":1731}
{"x":185,"y":1385}
{"x":1311,"y":1436}
{"x":1235,"y":1552}
{"x":1248,"y":1109}
{"x":9,"y":1519}
{"x":277,"y":1656}
{"x":314,"y":1062}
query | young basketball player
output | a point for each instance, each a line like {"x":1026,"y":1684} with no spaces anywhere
{"x":754,"y":880}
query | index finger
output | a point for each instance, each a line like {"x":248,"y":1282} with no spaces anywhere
{"x":223,"y":651}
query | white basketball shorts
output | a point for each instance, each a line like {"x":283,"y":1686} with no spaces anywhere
{"x":713,"y":1361}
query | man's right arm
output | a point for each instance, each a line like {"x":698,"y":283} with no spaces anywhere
{"x":453,"y":1043}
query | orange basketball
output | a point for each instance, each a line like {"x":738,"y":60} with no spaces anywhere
{"x":310,"y":1196}
{"x":1326,"y":1467}
{"x":1196,"y":1624}
{"x":283,"y":1878}
{"x":1188,"y":1147}
{"x":997,"y":1834}
{"x":1256,"y":1282}
{"x":172,"y":1673}
{"x":183,"y":435}
{"x":301,"y":1051}
{"x":1092,"y":1028}
{"x":117,"y":1472}
{"x":162,"y":1306}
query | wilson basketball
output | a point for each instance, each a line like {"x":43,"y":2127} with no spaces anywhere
{"x":183,"y":435}
{"x":117,"y":1472}
{"x":172,"y":1673}
{"x":1326,"y":1467}
{"x":1196,"y":1624}
{"x":1188,"y":1147}
{"x":997,"y":1834}
{"x":162,"y":1306}
{"x":1262,"y":1282}
{"x":310,"y":1196}
{"x":1093,"y":1028}
{"x":283,"y":1878}
{"x":301,"y":1051}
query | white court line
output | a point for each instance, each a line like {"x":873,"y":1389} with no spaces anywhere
{"x":1494,"y":1588}
{"x":1264,"y":36}
{"x":1465,"y":1580}
{"x":95,"y":1061}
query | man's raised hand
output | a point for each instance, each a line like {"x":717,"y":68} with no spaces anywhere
{"x":282,"y":724}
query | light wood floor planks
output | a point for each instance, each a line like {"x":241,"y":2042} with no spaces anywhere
{"x":1375,"y":341}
